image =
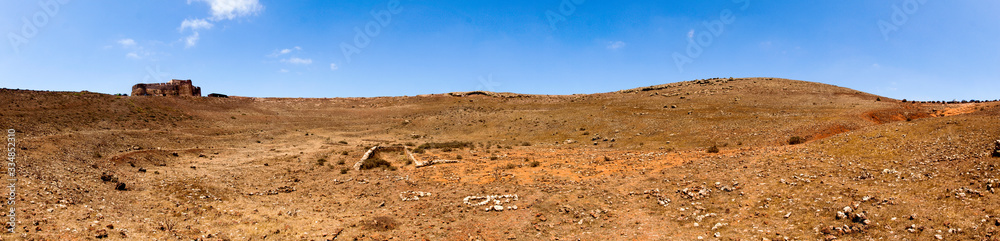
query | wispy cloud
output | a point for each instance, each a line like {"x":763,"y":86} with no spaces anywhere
{"x":195,"y":24}
{"x":296,"y":60}
{"x":231,"y":9}
{"x":127,"y":43}
{"x":334,"y":67}
{"x":192,"y":40}
{"x":691,"y":34}
{"x":283,"y":71}
{"x":136,"y":52}
{"x":281,"y":52}
{"x":615,"y":45}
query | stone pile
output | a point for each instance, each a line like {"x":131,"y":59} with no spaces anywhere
{"x":492,"y":202}
{"x":695,"y":193}
{"x":371,"y":153}
{"x":413,"y":195}
{"x":434,"y":162}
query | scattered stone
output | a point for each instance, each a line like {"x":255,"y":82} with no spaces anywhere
{"x":103,"y":233}
{"x":660,"y":198}
{"x":841,"y":215}
{"x":964,"y":192}
{"x":719,"y":225}
{"x":861,"y":218}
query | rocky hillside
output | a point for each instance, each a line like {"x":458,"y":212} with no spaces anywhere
{"x":725,"y":159}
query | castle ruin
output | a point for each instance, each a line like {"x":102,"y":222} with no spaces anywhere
{"x":175,"y":87}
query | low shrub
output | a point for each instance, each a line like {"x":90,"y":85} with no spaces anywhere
{"x":373,"y":163}
{"x":442,"y":145}
{"x":380,"y":224}
{"x":795,"y":140}
{"x":713,"y":149}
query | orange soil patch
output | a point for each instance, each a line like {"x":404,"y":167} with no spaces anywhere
{"x":903,"y":113}
{"x":961,"y":109}
{"x":828,"y":132}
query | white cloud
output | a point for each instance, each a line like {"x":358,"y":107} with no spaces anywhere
{"x":127,"y":42}
{"x":190,"y":41}
{"x":221,"y":10}
{"x":195,"y":24}
{"x":231,"y":9}
{"x":283,"y":71}
{"x":296,"y":60}
{"x":133,"y":55}
{"x":876,"y":65}
{"x":615,"y":45}
{"x":284,"y":51}
{"x":334,"y":67}
{"x":691,"y":34}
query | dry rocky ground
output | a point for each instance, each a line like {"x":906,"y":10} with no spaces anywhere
{"x":627,"y":165}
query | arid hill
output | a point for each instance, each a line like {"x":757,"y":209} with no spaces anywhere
{"x":717,"y":159}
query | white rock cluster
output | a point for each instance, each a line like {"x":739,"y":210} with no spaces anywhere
{"x":413,"y":195}
{"x":493,"y":202}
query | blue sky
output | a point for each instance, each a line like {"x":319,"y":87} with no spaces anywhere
{"x":913,"y":49}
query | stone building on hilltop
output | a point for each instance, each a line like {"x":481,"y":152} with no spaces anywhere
{"x":175,"y":87}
